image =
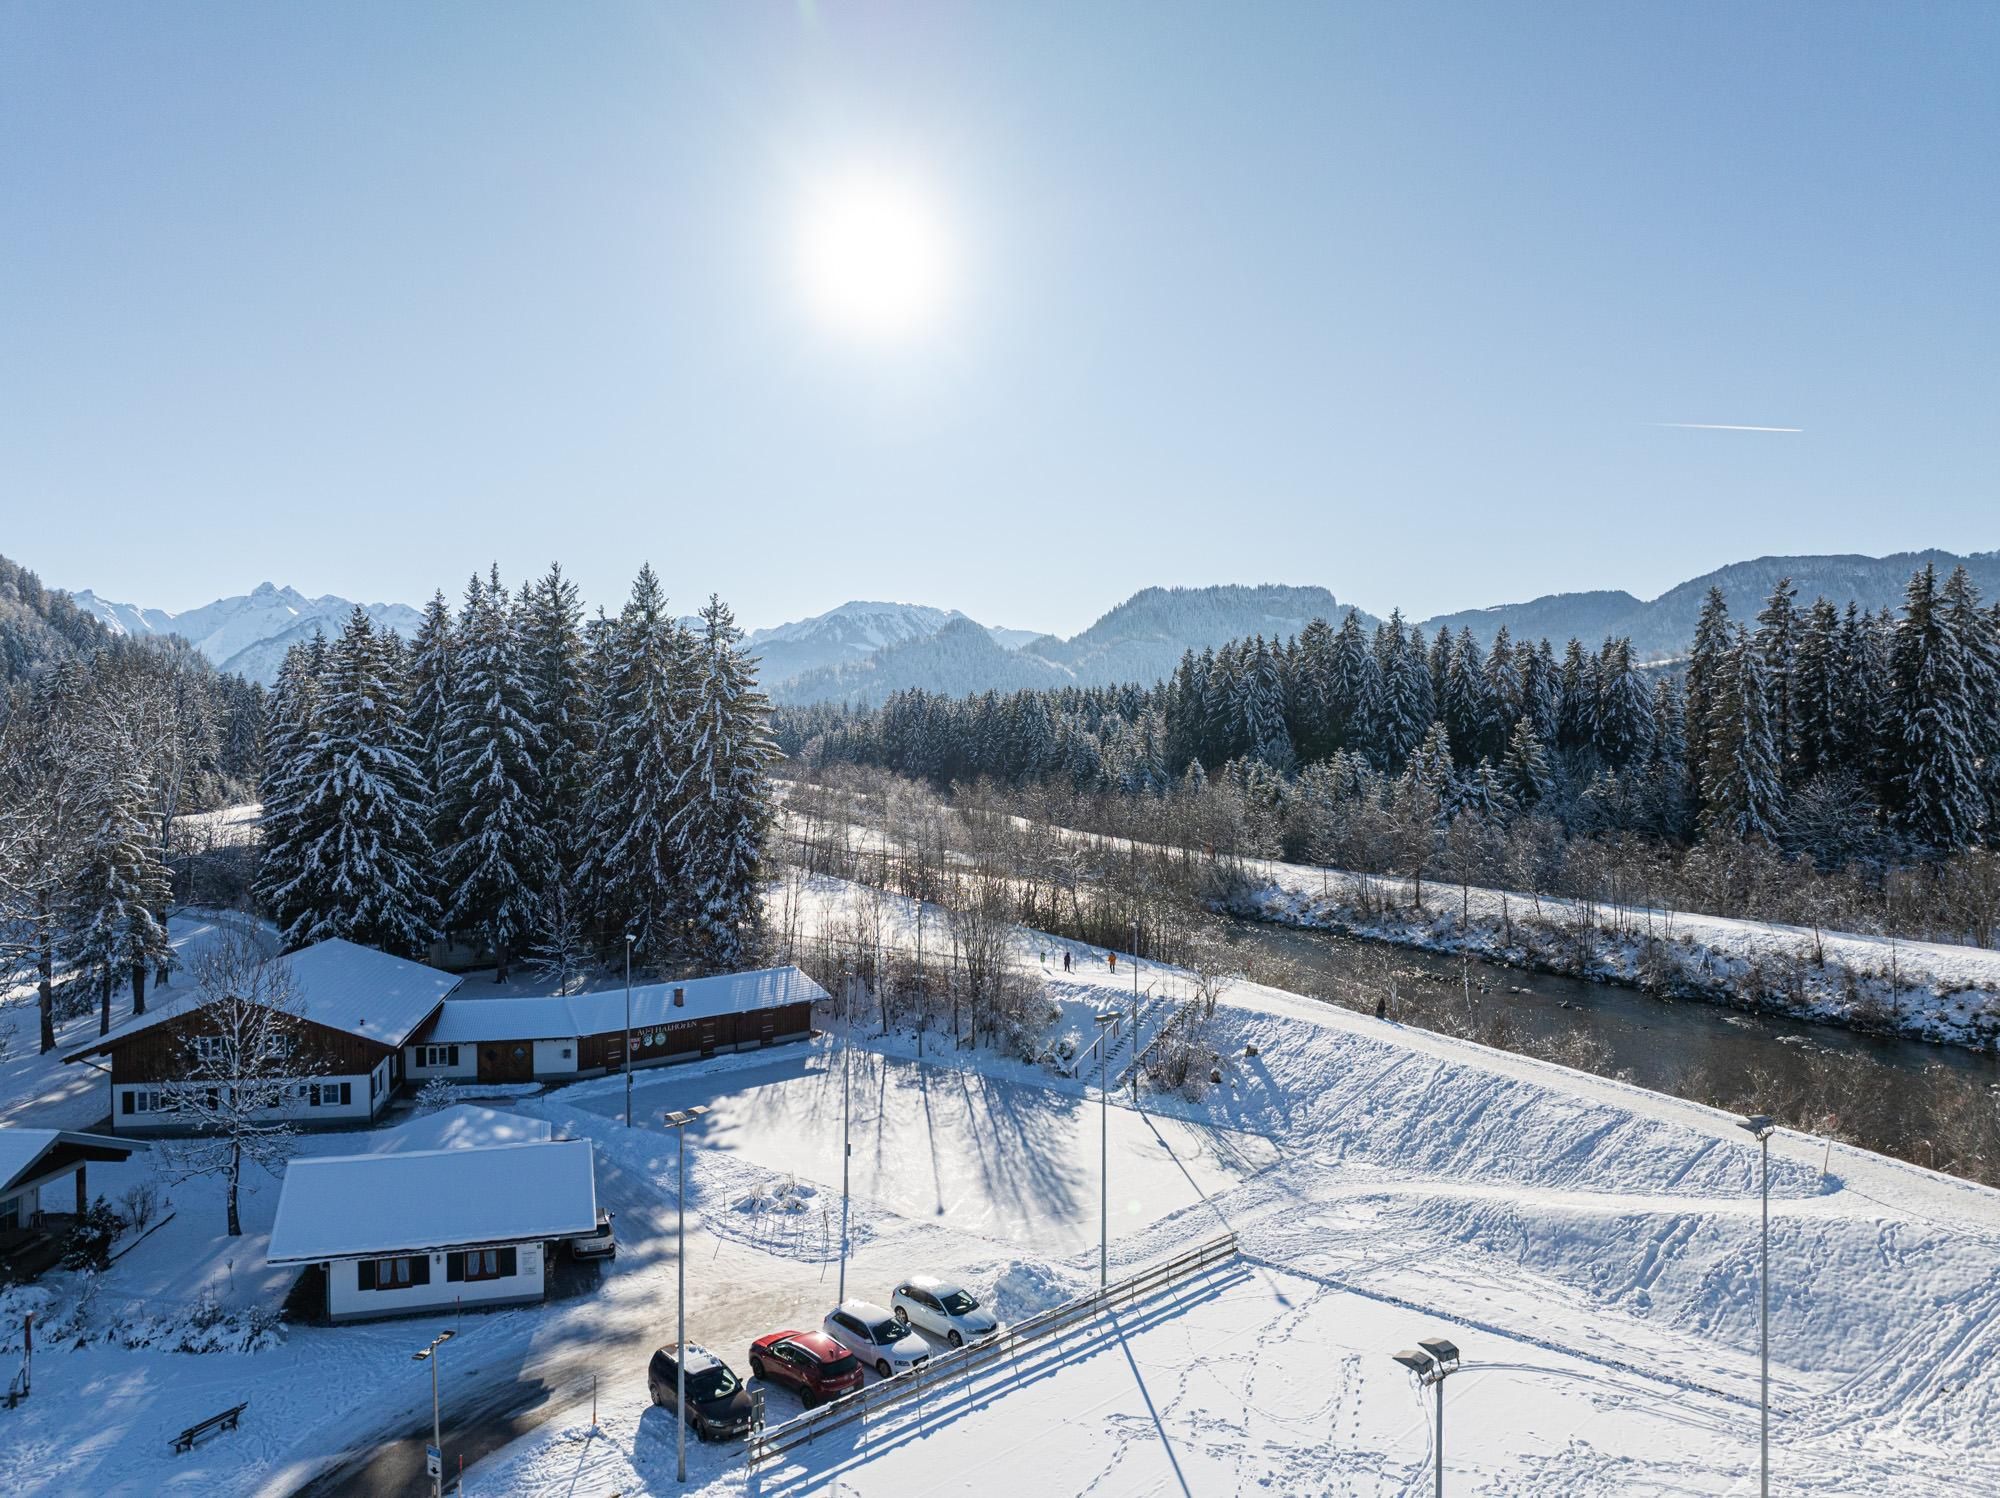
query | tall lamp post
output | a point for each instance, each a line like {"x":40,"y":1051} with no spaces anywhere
{"x":429,"y":1355}
{"x":1433,"y":1360}
{"x":1760,"y":1127}
{"x":628,"y":1029}
{"x":1105,"y":1019}
{"x":846,"y":1120}
{"x":678,"y":1122}
{"x":1135,"y":1012}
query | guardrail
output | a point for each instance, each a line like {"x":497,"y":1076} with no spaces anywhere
{"x":963,"y":1363}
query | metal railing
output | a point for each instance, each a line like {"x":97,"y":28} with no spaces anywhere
{"x":963,"y":1363}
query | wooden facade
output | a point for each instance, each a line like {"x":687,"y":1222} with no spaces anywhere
{"x":159,"y":1053}
{"x":692,"y":1039}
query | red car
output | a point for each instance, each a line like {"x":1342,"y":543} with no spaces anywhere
{"x":810,"y":1363}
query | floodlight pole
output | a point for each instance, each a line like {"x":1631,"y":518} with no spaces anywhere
{"x":429,"y":1355}
{"x":1433,"y":1360}
{"x":1440,"y":1436}
{"x":678,"y":1122}
{"x":1761,"y":1127}
{"x":1104,"y":1021}
{"x":628,"y":1029}
{"x":846,"y":1119}
{"x":1135,"y":1012}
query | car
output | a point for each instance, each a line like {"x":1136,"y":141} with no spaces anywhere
{"x":812,"y":1364}
{"x":942,"y":1309}
{"x":876,"y":1337}
{"x":600,"y":1244}
{"x":718,"y":1406}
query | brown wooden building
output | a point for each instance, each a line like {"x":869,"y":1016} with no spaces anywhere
{"x":356,"y":1009}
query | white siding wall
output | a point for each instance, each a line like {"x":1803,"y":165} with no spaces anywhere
{"x":554,"y":1057}
{"x":347,"y":1301}
{"x":26,"y":1202}
{"x":418,"y":1073}
{"x":148,"y":1120}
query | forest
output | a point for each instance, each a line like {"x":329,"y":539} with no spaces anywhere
{"x":1817,"y":764}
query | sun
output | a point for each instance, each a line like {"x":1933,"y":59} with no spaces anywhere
{"x":874,"y":257}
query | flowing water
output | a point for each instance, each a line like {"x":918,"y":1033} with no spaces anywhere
{"x":1933,"y":1104}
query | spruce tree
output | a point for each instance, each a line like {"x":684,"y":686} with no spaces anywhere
{"x":1930,"y":740}
{"x":1742,"y":790}
{"x":629,"y":866}
{"x":119,"y":882}
{"x":297,"y":762}
{"x":1777,"y":641}
{"x":1524,"y":770}
{"x":499,"y":857}
{"x":370,"y":863}
{"x":1711,"y":644}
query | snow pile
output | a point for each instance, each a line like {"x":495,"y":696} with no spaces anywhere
{"x":785,"y":1197}
{"x":76,"y":1319}
{"x":1027,"y":1287}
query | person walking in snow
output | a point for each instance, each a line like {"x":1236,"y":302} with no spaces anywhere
{"x":1065,"y":959}
{"x":1112,"y":958}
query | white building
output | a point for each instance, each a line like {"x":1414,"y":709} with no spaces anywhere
{"x":463,"y":1208}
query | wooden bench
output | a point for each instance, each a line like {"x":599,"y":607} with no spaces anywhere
{"x":224,"y":1421}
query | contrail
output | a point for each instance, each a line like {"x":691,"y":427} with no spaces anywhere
{"x":1720,"y":426}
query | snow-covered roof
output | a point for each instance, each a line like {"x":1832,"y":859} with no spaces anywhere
{"x":336,"y":983}
{"x":471,"y":1021}
{"x":21,"y":1149}
{"x":461,"y":1126}
{"x":414,"y":1201}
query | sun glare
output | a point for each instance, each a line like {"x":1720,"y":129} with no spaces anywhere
{"x":874,"y":258}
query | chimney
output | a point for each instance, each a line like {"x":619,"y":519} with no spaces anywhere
{"x":680,"y":997}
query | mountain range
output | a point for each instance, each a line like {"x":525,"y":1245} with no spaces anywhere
{"x":249,"y":633}
{"x":861,"y":652}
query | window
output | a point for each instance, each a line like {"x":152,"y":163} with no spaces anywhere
{"x":210,"y":1049}
{"x":394,"y":1274}
{"x":330,"y":1094}
{"x":480,"y":1264}
{"x":143,"y":1100}
{"x":10,"y":1214}
{"x":565,"y":1053}
{"x":437,"y":1055}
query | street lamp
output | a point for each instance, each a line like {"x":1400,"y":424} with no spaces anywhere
{"x":1760,"y":1127}
{"x":434,"y":1458}
{"x":1135,"y":1012}
{"x":846,"y":1118}
{"x":628,"y":1029}
{"x":678,"y":1122}
{"x":1105,"y":1019}
{"x":1433,"y":1360}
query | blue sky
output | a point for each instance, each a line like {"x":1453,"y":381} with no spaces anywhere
{"x":1388,"y":298}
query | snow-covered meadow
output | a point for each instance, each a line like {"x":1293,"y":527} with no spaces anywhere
{"x":1591,"y":1248}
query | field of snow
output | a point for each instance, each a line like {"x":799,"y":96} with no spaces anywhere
{"x":1591,"y":1248}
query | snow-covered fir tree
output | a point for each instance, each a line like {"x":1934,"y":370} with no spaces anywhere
{"x":499,"y":857}
{"x":1742,"y":788}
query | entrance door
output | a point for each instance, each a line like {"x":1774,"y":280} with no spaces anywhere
{"x":507,"y":1061}
{"x":708,"y":1037}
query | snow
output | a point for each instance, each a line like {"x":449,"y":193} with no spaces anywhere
{"x":21,"y":1148}
{"x":335,"y":983}
{"x":462,"y":1126}
{"x":473,"y":1020}
{"x":1592,"y":1247}
{"x":392,"y":1201}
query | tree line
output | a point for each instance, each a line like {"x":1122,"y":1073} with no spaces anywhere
{"x":1840,"y":735}
{"x":522,"y":781}
{"x":104,"y":753}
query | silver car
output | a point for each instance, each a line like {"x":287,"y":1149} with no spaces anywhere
{"x":942,"y":1309}
{"x":877,"y":1338}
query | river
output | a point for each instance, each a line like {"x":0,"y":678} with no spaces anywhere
{"x":1932,"y":1104}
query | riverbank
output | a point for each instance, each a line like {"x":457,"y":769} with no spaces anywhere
{"x":1877,"y":985}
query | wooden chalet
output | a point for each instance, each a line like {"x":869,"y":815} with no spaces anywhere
{"x":356,"y":1010}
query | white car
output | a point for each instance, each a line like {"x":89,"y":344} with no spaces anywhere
{"x":877,"y":1338}
{"x":942,"y":1309}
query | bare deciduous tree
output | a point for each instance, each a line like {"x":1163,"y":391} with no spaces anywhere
{"x":243,"y":1066}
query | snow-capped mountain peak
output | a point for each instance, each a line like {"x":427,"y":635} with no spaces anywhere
{"x":249,"y":632}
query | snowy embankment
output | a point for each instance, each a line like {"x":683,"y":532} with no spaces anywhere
{"x":1932,"y":990}
{"x":1592,"y":1247}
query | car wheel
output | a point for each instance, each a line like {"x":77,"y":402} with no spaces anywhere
{"x":955,"y":1339}
{"x":809,"y":1399}
{"x":882,"y":1366}
{"x":903,"y":1315}
{"x":757,"y":1369}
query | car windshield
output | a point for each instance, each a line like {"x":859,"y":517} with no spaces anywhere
{"x":840,"y":1365}
{"x":712,"y":1383}
{"x":888,"y":1331}
{"x":958,"y":1303}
